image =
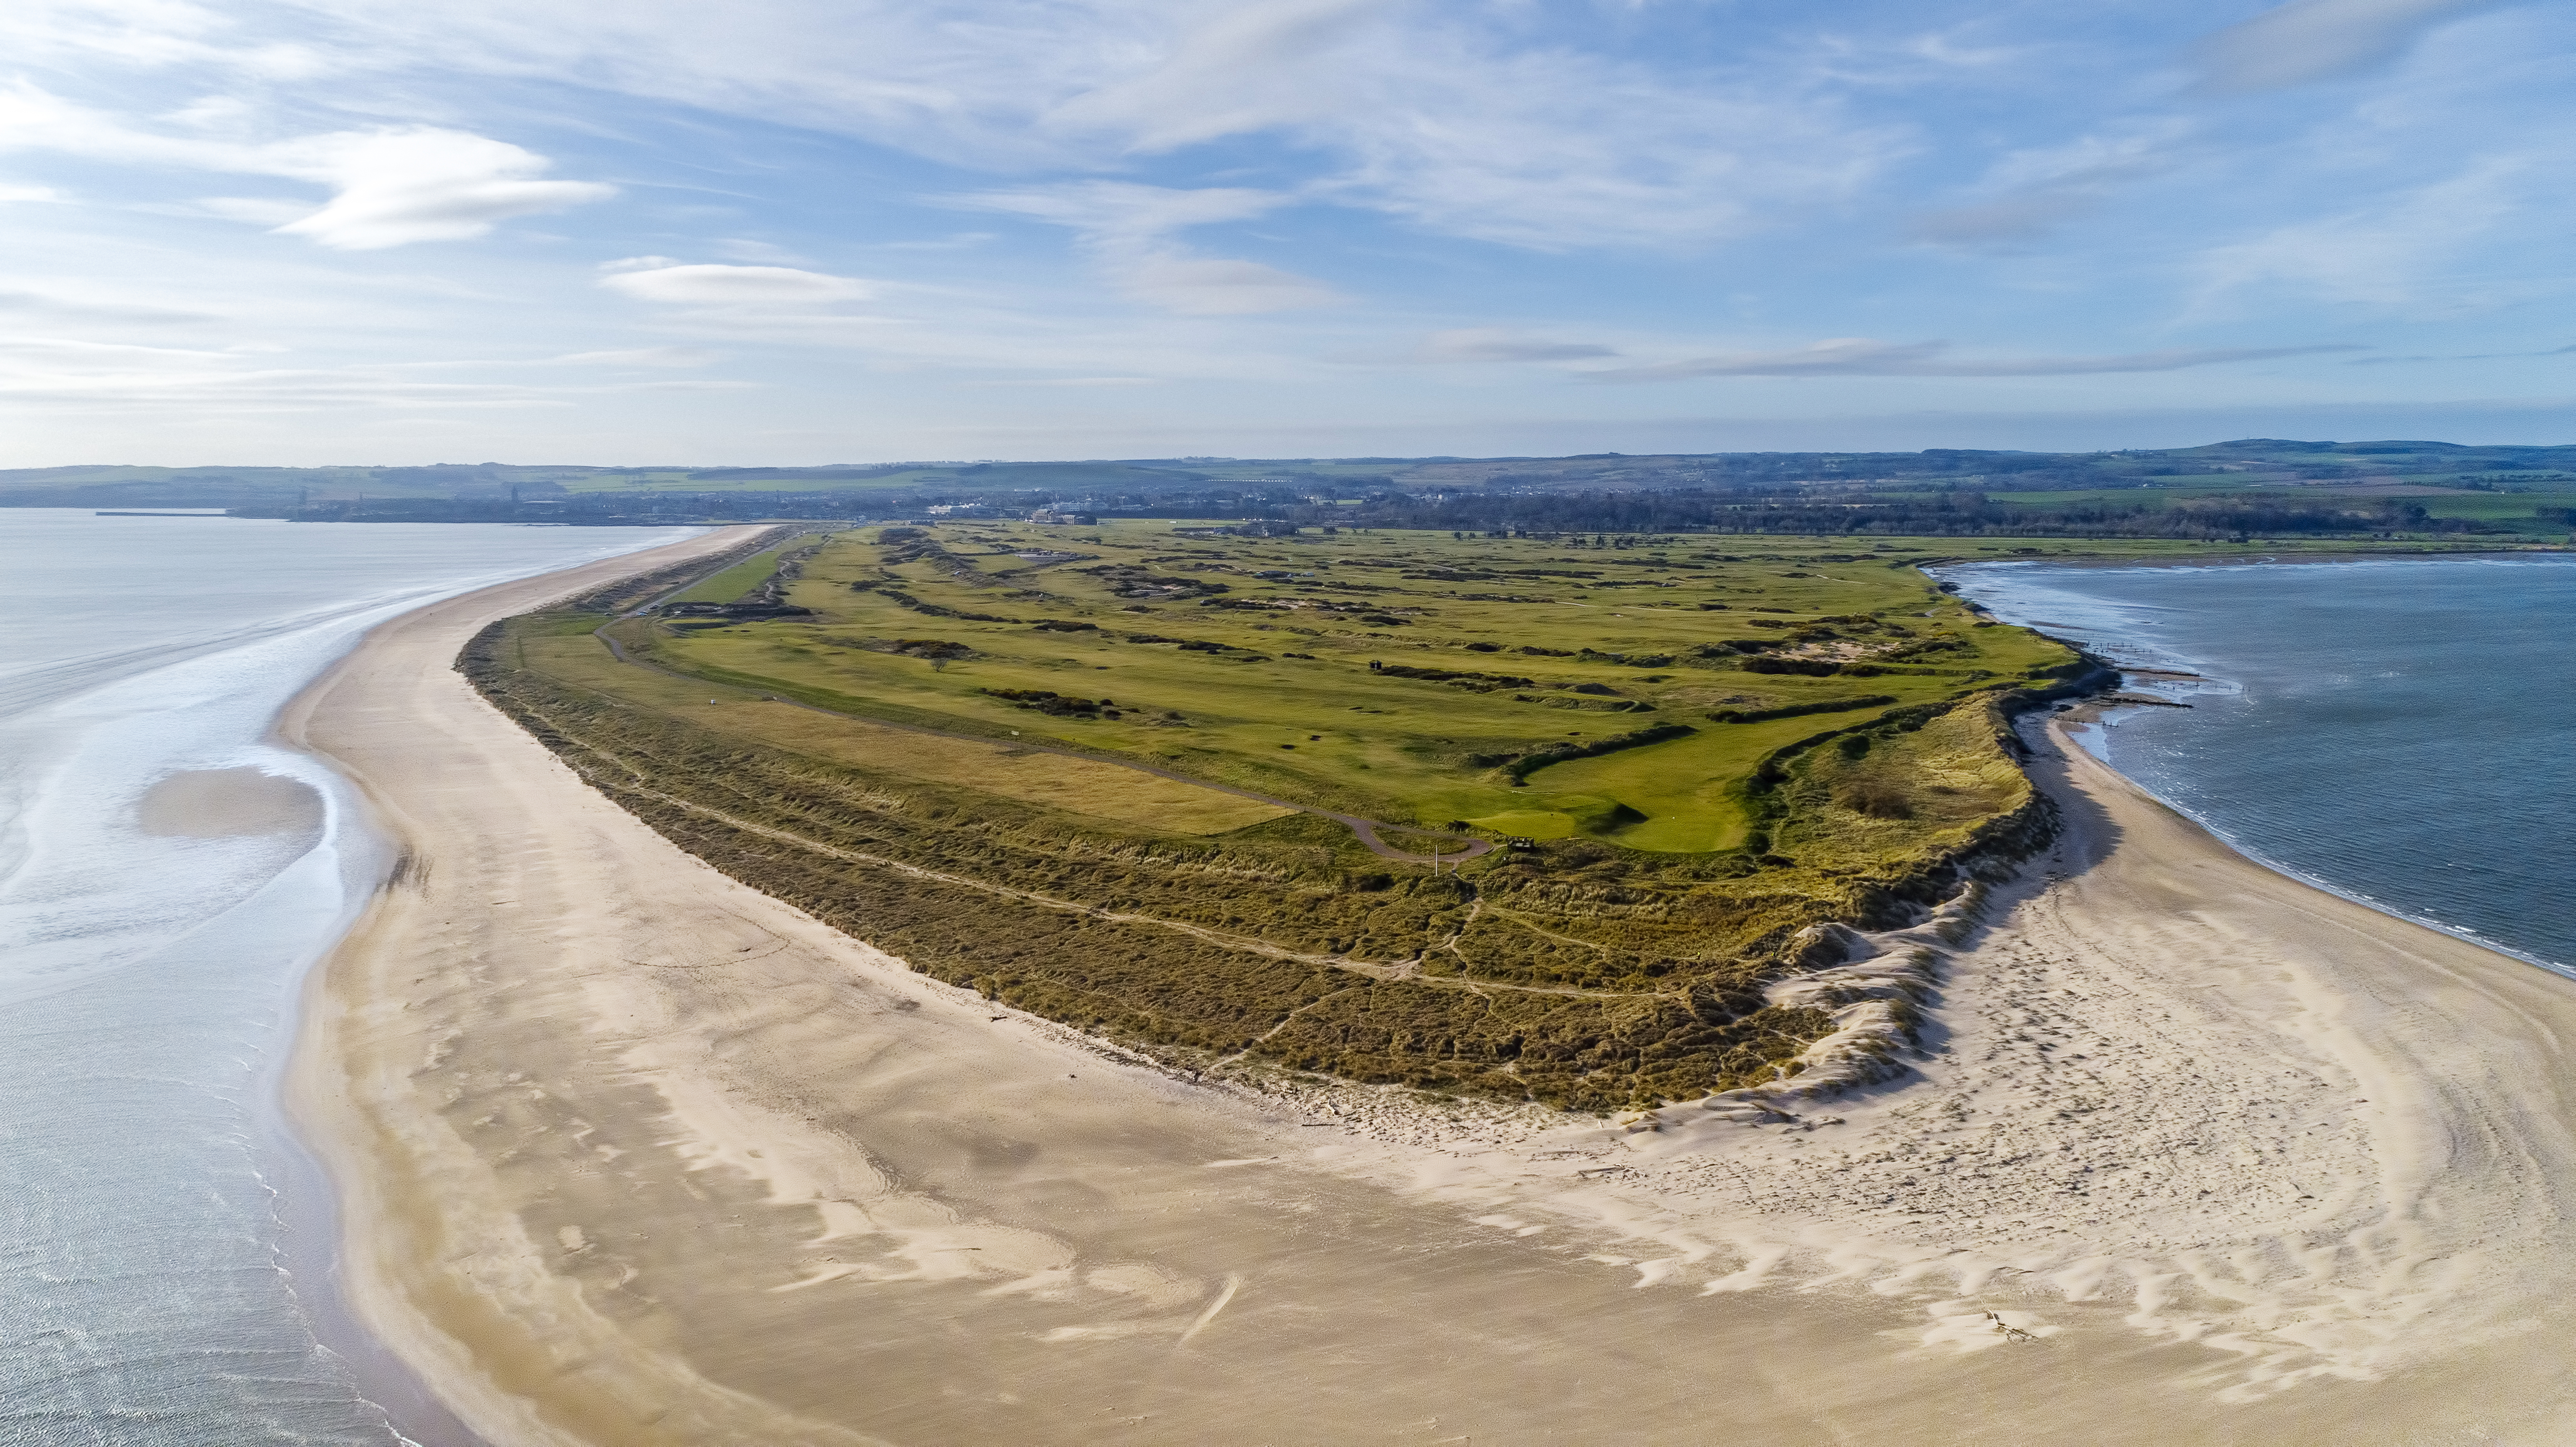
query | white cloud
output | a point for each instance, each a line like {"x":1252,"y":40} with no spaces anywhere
{"x":642,"y":357}
{"x":1128,"y":227}
{"x":741,"y":248}
{"x":1122,"y":213}
{"x":1199,"y":286}
{"x":1494,"y":344}
{"x":1864,"y":357}
{"x":90,"y":311}
{"x":2389,"y":254}
{"x":79,"y":375}
{"x":2313,"y":40}
{"x":30,"y":193}
{"x":254,"y":210}
{"x":1468,"y":120}
{"x":1231,"y":70}
{"x":709,"y":284}
{"x":2031,"y":192}
{"x":391,"y":186}
{"x":395,"y":187}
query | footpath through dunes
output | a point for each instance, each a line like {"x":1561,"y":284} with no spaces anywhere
{"x":1217,"y":852}
{"x":632,"y":1154}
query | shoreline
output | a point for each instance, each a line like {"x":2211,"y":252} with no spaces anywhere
{"x":631,"y":1153}
{"x":310,"y":1197}
{"x":2565,"y":970}
{"x":2094,"y":711}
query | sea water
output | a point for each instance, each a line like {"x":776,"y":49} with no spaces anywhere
{"x":2399,"y":730}
{"x":163,"y":1244}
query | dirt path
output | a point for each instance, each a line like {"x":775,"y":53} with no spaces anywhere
{"x":1410,"y":969}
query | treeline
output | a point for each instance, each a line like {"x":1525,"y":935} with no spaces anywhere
{"x":596,"y":510}
{"x":1958,"y":513}
{"x":1942,"y":514}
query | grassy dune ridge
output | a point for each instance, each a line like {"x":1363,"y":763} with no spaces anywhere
{"x":1565,"y":699}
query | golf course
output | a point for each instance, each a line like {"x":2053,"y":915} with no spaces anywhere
{"x":1535,"y":818}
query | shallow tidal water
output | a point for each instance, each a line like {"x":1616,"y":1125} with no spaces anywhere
{"x":2396,"y":730}
{"x":167,"y":875}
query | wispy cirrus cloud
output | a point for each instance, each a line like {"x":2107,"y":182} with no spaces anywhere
{"x":61,"y":308}
{"x":2030,"y":193}
{"x":399,"y":186}
{"x":639,"y":357}
{"x":82,"y":375}
{"x":1130,"y":231}
{"x":1501,"y":344}
{"x":716,"y":284}
{"x":2307,"y":41}
{"x":2566,"y":351}
{"x":1863,"y":357}
{"x":389,"y":186}
{"x":2395,"y":253}
{"x":1463,"y":121}
{"x":1327,"y":208}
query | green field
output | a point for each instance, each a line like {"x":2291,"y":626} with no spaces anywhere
{"x":730,"y":584}
{"x":945,"y":477}
{"x":1267,"y":684}
{"x":1680,"y":751}
{"x":2529,"y":514}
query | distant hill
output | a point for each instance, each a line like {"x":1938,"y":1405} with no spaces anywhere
{"x":2279,"y":485}
{"x":2247,"y":462}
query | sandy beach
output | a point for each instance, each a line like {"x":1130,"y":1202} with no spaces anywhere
{"x":628,"y":1153}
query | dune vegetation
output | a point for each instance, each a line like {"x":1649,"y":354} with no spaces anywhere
{"x":1111,"y":775}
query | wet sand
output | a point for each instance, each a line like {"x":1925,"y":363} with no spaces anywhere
{"x":631,"y":1154}
{"x":225,"y":803}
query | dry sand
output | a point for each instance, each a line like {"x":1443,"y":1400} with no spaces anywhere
{"x":632,"y":1154}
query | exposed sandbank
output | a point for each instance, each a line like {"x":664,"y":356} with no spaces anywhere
{"x":632,"y":1154}
{"x":224,"y":803}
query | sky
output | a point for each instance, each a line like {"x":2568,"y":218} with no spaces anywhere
{"x":778,"y":232}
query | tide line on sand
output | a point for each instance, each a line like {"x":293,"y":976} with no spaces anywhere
{"x":2152,"y":1145}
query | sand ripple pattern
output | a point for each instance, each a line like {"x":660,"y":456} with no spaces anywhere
{"x":637,"y":1155}
{"x":2162,"y":1088}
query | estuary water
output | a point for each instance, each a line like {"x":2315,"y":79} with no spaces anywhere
{"x":2397,"y":730}
{"x":167,"y":875}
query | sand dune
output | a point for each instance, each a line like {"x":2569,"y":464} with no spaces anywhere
{"x":632,"y":1154}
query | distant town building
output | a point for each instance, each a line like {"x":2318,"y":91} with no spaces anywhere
{"x":1060,"y":517}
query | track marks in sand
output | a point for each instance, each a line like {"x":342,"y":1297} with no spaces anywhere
{"x":2165,"y":1092}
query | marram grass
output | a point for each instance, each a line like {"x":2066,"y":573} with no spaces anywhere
{"x":1672,"y":813}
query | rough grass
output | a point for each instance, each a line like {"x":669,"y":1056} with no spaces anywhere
{"x":1105,"y":792}
{"x":1619,"y":961}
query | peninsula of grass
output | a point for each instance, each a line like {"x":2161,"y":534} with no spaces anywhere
{"x":987,"y":749}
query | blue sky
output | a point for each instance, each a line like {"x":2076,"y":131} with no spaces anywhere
{"x":790,"y":231}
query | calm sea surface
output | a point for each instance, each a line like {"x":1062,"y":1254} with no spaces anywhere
{"x":162,"y":1242}
{"x":2401,"y":731}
